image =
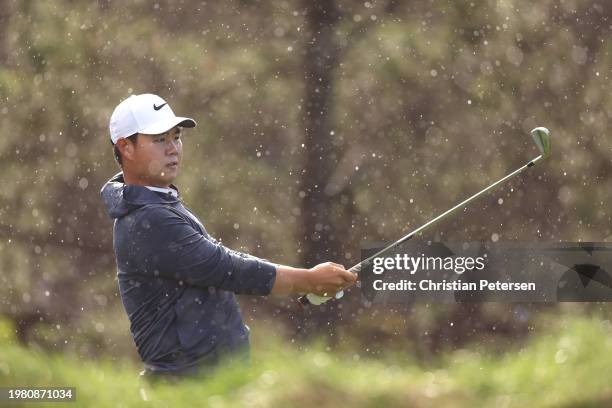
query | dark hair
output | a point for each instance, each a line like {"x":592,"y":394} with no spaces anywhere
{"x":132,"y":139}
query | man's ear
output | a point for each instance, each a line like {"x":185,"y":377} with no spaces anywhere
{"x":126,"y":148}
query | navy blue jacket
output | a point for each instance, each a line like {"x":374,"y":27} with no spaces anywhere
{"x":177,"y":284}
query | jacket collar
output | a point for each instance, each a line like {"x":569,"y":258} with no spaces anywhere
{"x":140,"y":195}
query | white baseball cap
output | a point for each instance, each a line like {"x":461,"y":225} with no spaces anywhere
{"x":148,"y":114}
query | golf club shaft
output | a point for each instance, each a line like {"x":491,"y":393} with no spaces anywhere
{"x":356,"y":268}
{"x":448,"y":212}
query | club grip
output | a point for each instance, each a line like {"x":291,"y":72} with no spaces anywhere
{"x":316,"y":300}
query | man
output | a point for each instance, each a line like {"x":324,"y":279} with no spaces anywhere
{"x":177,"y":283}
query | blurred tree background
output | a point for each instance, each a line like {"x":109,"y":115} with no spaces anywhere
{"x":323,"y":126}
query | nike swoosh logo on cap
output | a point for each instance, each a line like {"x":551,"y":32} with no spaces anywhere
{"x":160,"y":106}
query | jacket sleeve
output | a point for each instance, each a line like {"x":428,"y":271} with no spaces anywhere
{"x":164,"y":244}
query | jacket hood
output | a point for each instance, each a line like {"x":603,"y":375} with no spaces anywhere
{"x":120,"y":198}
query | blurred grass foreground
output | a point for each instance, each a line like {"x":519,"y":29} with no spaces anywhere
{"x":569,"y":367}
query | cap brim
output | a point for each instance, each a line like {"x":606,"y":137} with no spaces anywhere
{"x":165,"y":125}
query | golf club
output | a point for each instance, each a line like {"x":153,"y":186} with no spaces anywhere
{"x":541,"y":137}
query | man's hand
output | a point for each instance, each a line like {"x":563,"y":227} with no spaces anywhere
{"x":328,"y":278}
{"x":324,"y":279}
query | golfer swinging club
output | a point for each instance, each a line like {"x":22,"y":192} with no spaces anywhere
{"x":177,"y":283}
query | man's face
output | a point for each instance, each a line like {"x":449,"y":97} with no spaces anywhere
{"x":156,"y":158}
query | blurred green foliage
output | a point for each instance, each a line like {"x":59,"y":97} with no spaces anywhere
{"x":569,"y":367}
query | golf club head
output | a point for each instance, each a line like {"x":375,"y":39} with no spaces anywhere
{"x":541,"y":137}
